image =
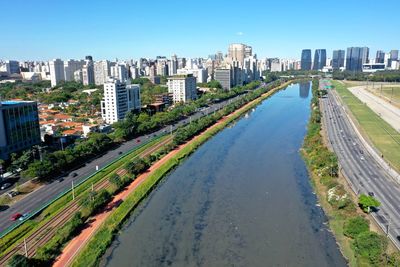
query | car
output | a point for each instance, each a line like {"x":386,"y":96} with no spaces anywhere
{"x":3,"y":207}
{"x":371,"y":194}
{"x":23,"y":217}
{"x":120,"y":152}
{"x":74,"y":174}
{"x":362,"y":158}
{"x":16,"y":216}
{"x":12,"y":193}
{"x":138,"y":141}
{"x":5,"y":186}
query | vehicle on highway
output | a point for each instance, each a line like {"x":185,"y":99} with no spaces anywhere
{"x":23,"y":217}
{"x":3,"y":207}
{"x":371,"y":194}
{"x":138,"y":141}
{"x":16,"y":216}
{"x":362,"y":158}
{"x":74,"y":174}
{"x":5,"y":186}
{"x":120,"y":152}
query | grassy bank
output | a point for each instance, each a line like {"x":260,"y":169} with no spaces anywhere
{"x":29,"y":227}
{"x":359,"y":245}
{"x":379,"y":132}
{"x":91,"y":254}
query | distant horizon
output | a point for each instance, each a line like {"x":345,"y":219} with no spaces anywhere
{"x":372,"y":54}
{"x":44,"y":30}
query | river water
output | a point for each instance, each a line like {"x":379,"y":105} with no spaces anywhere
{"x":242,"y":199}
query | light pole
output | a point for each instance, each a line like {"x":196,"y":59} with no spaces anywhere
{"x":73,"y":191}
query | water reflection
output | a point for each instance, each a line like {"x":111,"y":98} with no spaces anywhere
{"x":304,"y":89}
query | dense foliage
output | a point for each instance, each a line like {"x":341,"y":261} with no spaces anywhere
{"x":355,"y":226}
{"x":367,"y":203}
{"x":379,"y":76}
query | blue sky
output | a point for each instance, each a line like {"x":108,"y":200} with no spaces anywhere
{"x":109,"y":29}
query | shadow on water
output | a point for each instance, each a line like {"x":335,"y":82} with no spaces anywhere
{"x":242,"y":199}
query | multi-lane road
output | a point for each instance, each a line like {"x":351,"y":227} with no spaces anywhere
{"x":38,"y":198}
{"x":362,"y":170}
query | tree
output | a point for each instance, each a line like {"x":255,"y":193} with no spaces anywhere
{"x":115,"y":179}
{"x":19,"y":261}
{"x":137,"y":166}
{"x":355,"y":226}
{"x":371,"y":246}
{"x":367,"y":202}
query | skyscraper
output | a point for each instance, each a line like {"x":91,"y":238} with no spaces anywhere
{"x":338,"y":59}
{"x":306,"y":59}
{"x":236,"y":52}
{"x":319,"y":59}
{"x":380,"y":57}
{"x":394,"y":56}
{"x":356,"y":57}
{"x":56,"y":71}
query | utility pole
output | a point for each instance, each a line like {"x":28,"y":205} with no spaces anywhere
{"x":73,"y":191}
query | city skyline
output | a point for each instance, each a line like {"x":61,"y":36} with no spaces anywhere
{"x":133,"y":30}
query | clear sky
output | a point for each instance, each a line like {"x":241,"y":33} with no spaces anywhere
{"x":109,"y":29}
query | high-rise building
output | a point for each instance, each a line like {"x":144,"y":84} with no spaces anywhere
{"x":394,"y":56}
{"x":88,"y":73}
{"x":248,"y":51}
{"x":224,"y":77}
{"x":19,"y":126}
{"x":338,"y":59}
{"x":70,"y":66}
{"x":236,"y":52}
{"x":13,"y":66}
{"x":356,"y":57}
{"x":119,"y":98}
{"x":319,"y":59}
{"x":173,"y":65}
{"x":306,"y":59}
{"x":380,"y":57}
{"x":101,"y":71}
{"x":120,"y":72}
{"x":182,"y":87}
{"x":56,"y":71}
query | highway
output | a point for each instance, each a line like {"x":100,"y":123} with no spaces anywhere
{"x":39,"y":197}
{"x":361,"y":169}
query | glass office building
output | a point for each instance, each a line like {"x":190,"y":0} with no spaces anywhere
{"x":19,"y":126}
{"x":306,"y":59}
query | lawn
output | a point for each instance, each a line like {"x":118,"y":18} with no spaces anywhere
{"x":382,"y":135}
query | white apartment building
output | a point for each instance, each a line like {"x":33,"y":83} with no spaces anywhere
{"x":119,"y":98}
{"x":56,"y":71}
{"x":70,"y":66}
{"x":182,"y":87}
{"x":101,"y":71}
{"x":120,"y":72}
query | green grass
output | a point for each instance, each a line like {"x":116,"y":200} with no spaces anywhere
{"x":91,"y":253}
{"x":380,"y":133}
{"x":27,"y":228}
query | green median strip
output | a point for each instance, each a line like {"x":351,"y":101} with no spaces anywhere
{"x":16,"y":235}
{"x":379,"y":132}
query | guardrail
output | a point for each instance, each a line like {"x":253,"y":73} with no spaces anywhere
{"x":40,"y":209}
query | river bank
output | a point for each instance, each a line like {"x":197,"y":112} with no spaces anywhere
{"x":105,"y":232}
{"x":360,"y":245}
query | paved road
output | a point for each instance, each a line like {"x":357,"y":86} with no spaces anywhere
{"x":44,"y":194}
{"x":387,"y":111}
{"x":361,"y":169}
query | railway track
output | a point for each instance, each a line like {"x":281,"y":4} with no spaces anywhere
{"x":42,"y":235}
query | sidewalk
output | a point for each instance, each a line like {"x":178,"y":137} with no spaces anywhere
{"x":385,"y":110}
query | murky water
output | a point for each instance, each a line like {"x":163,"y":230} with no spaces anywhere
{"x":242,"y":199}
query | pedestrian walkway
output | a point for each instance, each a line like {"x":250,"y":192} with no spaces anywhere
{"x":387,"y":111}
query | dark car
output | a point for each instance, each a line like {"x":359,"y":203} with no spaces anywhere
{"x":119,"y":153}
{"x":74,"y":174}
{"x":5,"y":186}
{"x":371,"y":194}
{"x":138,"y":141}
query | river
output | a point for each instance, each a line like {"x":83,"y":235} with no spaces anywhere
{"x":242,"y":199}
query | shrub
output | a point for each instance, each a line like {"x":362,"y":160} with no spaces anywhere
{"x":355,"y":226}
{"x":367,"y":202}
{"x":371,"y":246}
